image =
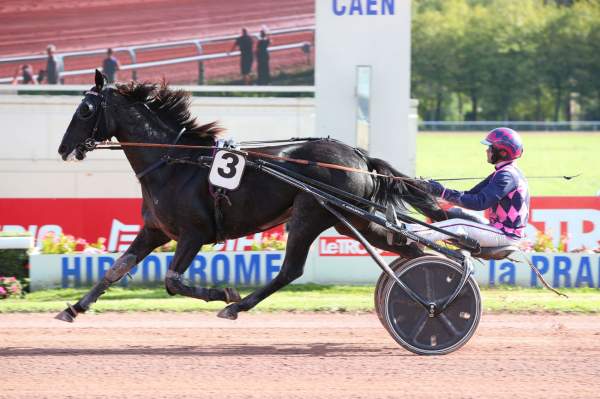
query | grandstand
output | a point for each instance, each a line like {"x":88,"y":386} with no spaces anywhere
{"x":29,"y":27}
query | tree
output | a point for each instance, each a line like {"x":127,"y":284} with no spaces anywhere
{"x":511,"y":77}
{"x":588,"y":62}
{"x":512,"y":59}
{"x":435,"y":38}
{"x":560,"y":47}
{"x":472,"y":61}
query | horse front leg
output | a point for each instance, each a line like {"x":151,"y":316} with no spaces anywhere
{"x":145,"y":242}
{"x":188,"y":247}
{"x":308,"y":220}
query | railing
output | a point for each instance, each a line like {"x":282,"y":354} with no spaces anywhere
{"x":76,"y":90}
{"x":134,"y":66}
{"x":460,"y":126}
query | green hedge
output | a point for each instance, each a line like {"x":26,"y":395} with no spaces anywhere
{"x":13,"y":263}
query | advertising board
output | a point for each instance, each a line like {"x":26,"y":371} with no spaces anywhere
{"x":256,"y":268}
{"x":576,"y":218}
{"x":116,"y":219}
{"x":212,"y":268}
{"x":119,"y":220}
{"x":333,"y":259}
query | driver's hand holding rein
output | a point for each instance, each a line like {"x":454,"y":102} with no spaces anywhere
{"x":504,"y":192}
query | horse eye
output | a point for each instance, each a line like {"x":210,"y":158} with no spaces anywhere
{"x":86,"y":110}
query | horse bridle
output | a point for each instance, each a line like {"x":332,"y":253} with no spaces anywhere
{"x":89,"y":144}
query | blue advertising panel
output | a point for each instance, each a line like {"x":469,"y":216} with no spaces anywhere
{"x":256,"y":268}
{"x":219,"y":268}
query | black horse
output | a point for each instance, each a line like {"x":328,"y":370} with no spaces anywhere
{"x":178,"y":203}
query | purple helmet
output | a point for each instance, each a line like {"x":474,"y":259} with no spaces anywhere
{"x":507,"y":140}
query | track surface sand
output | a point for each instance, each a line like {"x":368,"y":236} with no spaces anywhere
{"x":167,"y":355}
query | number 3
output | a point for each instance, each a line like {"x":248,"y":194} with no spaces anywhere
{"x":227,"y":169}
{"x":231,"y":171}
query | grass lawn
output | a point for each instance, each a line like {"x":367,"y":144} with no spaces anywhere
{"x":461,"y":155}
{"x":307,"y":298}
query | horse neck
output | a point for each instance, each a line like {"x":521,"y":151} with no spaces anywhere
{"x":147,"y":129}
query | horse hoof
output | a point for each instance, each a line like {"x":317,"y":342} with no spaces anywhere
{"x":65,"y":316}
{"x":231,"y":295}
{"x":227,"y":313}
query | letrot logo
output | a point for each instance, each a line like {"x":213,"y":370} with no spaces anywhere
{"x":363,"y":7}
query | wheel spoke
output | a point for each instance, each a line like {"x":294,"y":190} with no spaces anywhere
{"x":419,"y":325}
{"x":448,"y":324}
{"x":429,"y":286}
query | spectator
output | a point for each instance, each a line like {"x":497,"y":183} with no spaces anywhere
{"x":54,"y":66}
{"x":244,"y":43}
{"x":41,"y":76}
{"x":26,"y":74}
{"x":262,"y":58}
{"x":110,"y":66}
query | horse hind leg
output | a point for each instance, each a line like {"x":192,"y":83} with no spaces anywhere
{"x":187,"y":248}
{"x":308,"y":220}
{"x":175,"y":284}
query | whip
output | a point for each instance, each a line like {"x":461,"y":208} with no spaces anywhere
{"x":528,"y":178}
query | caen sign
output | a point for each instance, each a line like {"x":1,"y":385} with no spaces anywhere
{"x":363,"y":7}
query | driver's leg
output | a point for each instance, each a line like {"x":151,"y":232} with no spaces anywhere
{"x":486,"y":235}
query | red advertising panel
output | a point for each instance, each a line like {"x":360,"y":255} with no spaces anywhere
{"x":116,"y":219}
{"x":119,"y":219}
{"x":575,"y":218}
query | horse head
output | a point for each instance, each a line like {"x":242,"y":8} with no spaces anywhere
{"x":90,"y":122}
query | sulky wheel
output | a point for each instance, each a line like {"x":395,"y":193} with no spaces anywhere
{"x":434,"y":279}
{"x":380,"y":287}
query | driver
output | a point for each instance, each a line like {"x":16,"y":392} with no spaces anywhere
{"x":504,"y":193}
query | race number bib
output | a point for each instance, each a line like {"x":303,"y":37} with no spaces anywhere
{"x":227,"y":169}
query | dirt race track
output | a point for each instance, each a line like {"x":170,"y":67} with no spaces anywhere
{"x":284,"y":355}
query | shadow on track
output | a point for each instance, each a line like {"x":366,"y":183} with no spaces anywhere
{"x":314,"y":350}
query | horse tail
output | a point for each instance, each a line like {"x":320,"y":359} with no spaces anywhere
{"x":400,"y":193}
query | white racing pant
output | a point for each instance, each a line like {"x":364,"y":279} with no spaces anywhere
{"x":487,"y":235}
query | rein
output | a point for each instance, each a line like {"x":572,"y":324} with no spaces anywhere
{"x":257,"y":154}
{"x":94,"y":142}
{"x":165,"y":159}
{"x":161,"y":161}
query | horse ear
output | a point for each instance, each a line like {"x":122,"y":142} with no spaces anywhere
{"x":99,"y":80}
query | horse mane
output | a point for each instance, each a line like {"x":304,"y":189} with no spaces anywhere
{"x":169,"y":104}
